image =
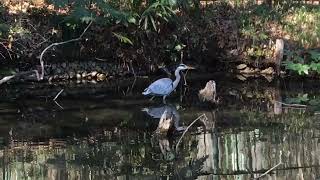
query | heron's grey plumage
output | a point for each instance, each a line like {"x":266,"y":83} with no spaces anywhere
{"x":163,"y":87}
{"x":160,"y":87}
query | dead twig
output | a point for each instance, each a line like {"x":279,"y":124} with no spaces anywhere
{"x":185,"y":131}
{"x":55,"y":98}
{"x":57,"y":44}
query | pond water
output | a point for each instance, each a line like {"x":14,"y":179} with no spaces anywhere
{"x":107,"y":131}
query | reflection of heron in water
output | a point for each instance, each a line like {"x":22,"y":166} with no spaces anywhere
{"x":156,"y":112}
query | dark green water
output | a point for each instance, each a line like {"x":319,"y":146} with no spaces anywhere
{"x":99,"y":131}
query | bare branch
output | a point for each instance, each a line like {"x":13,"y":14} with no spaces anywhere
{"x":57,"y":44}
{"x":2,"y":56}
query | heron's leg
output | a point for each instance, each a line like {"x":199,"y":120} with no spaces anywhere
{"x":164,"y":99}
{"x":151,"y":98}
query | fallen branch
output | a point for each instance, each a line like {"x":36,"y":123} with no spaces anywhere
{"x":7,"y":78}
{"x":57,"y":44}
{"x":185,"y":131}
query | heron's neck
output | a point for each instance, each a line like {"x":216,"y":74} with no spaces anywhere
{"x":178,"y":77}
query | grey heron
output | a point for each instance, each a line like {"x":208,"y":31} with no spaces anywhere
{"x":164,"y":86}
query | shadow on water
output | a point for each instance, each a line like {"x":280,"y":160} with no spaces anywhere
{"x":106,"y":131}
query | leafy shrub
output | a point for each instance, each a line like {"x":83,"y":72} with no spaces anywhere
{"x":303,"y":63}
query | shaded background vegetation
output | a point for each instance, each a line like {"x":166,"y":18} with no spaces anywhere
{"x":147,"y":35}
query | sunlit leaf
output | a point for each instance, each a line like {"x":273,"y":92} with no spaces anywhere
{"x":146,"y":23}
{"x":122,"y":38}
{"x":153,"y":23}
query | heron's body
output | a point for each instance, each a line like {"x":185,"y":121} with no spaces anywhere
{"x":164,"y":87}
{"x":160,"y":87}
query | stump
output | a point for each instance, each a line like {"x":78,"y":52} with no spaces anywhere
{"x":209,"y":92}
{"x":165,"y":123}
{"x":278,"y":56}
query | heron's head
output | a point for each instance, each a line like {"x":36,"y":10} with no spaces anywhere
{"x":184,"y":67}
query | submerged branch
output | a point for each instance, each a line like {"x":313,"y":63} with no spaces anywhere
{"x":58,"y":94}
{"x":268,"y":171}
{"x":185,"y":131}
{"x":265,"y":173}
{"x":58,"y":104}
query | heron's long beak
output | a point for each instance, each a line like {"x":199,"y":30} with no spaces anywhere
{"x":190,"y":67}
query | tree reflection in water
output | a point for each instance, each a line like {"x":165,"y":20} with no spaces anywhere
{"x":240,"y":140}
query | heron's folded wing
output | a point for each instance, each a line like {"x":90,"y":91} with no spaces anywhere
{"x":161,"y":87}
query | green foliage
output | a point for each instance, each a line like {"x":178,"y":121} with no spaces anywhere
{"x":303,"y":25}
{"x":299,"y":24}
{"x":254,"y":27}
{"x":123,"y":38}
{"x":4,"y":28}
{"x":157,"y":13}
{"x":313,"y":101}
{"x":299,"y":99}
{"x":113,"y":12}
{"x":100,"y":10}
{"x":6,"y":71}
{"x":303,"y":63}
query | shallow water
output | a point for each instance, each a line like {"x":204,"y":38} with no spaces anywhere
{"x":106,"y":131}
